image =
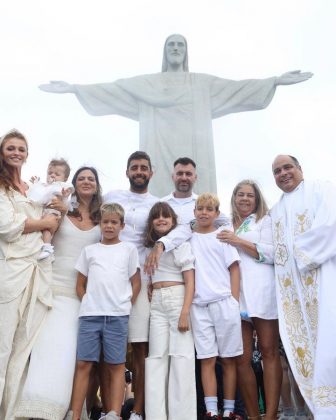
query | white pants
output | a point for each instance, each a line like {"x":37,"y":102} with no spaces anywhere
{"x":170,"y":390}
{"x":16,"y":345}
{"x":217,"y":328}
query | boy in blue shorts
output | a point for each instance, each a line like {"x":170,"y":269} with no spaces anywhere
{"x":214,"y":313}
{"x":108,"y":283}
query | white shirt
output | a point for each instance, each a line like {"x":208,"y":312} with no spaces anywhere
{"x":43,"y":193}
{"x":137,"y":207}
{"x":212,"y":261}
{"x":183,"y":207}
{"x":173,"y":263}
{"x":257,"y":283}
{"x":108,"y":269}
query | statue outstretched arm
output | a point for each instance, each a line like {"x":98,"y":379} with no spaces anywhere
{"x":57,"y":86}
{"x":292,"y":77}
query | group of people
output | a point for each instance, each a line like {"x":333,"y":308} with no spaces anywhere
{"x":167,"y":275}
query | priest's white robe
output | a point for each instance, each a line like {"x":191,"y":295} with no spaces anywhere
{"x":174,"y":110}
{"x":304,"y":233}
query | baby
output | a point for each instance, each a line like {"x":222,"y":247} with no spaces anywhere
{"x":43,"y":193}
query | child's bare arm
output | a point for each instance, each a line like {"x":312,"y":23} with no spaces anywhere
{"x":136,"y":285}
{"x":189,"y":284}
{"x":150,"y":289}
{"x":235,"y":279}
{"x":81,"y":285}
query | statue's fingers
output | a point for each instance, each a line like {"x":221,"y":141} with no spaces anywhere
{"x":45,"y":87}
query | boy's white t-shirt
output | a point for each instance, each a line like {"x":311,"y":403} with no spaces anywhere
{"x":108,"y":269}
{"x":212,"y":260}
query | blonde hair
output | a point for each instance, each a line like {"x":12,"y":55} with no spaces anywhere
{"x":208,"y":199}
{"x":261,"y":207}
{"x":110,"y":208}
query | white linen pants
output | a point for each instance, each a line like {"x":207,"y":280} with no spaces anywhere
{"x":15,"y":348}
{"x":170,"y":390}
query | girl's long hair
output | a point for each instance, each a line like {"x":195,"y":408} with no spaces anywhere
{"x":160,"y":208}
{"x":96,"y":201}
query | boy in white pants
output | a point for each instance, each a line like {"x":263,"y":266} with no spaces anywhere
{"x":215,"y":314}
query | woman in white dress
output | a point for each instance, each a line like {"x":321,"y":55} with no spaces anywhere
{"x":47,"y":391}
{"x":25,"y":292}
{"x":252,"y":237}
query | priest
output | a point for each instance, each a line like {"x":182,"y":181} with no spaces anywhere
{"x":304,"y":234}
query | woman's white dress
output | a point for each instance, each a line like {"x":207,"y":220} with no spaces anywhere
{"x":25,"y":293}
{"x":47,"y":390}
{"x":257,"y":296}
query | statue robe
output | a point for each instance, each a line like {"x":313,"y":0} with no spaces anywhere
{"x":174,"y":110}
{"x":304,"y":234}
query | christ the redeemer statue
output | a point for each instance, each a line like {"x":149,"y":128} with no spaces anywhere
{"x":175,"y":109}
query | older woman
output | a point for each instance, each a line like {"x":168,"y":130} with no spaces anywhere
{"x":252,"y":237}
{"x":47,"y":390}
{"x":25,"y":292}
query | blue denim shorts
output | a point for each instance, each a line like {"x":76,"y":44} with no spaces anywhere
{"x":107,"y":332}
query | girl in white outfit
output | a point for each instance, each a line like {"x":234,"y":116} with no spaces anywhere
{"x":170,"y":378}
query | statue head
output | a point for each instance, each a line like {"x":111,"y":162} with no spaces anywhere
{"x":175,"y":53}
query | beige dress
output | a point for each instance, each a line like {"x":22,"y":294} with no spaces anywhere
{"x":25,"y":292}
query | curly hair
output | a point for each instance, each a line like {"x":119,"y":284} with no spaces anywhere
{"x":96,"y":201}
{"x":6,"y":178}
{"x":159,"y":209}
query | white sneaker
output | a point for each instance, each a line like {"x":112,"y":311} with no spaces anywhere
{"x":136,"y":416}
{"x":111,"y":415}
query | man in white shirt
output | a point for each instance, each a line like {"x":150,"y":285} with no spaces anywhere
{"x":137,"y":202}
{"x":182,"y":200}
{"x":304,"y":232}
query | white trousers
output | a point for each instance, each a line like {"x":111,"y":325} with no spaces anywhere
{"x":16,"y":345}
{"x":170,"y":390}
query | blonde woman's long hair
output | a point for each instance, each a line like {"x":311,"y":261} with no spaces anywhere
{"x":261,"y":207}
